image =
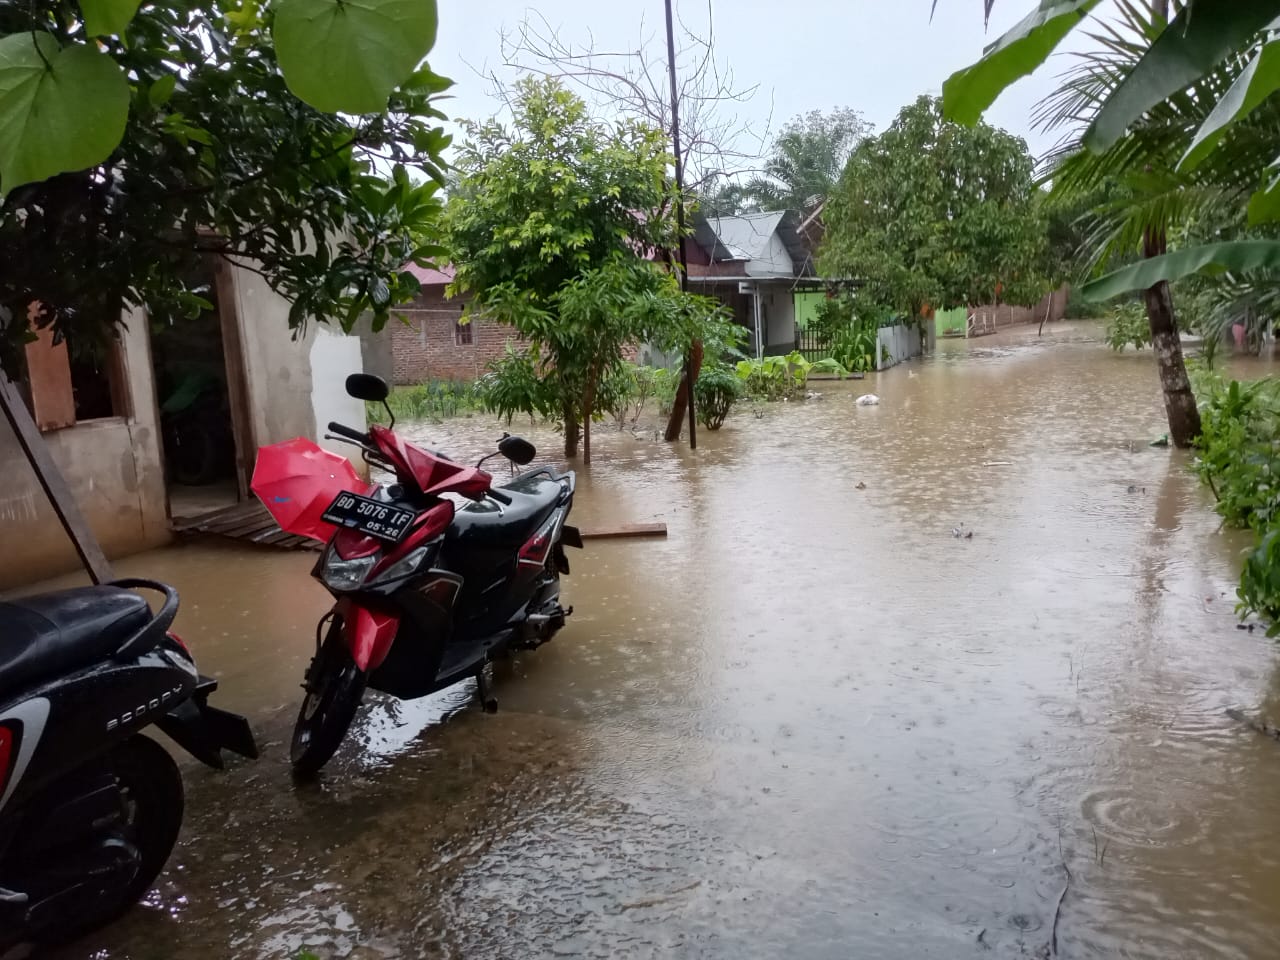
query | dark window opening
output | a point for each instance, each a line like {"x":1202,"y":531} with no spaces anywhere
{"x":462,"y":333}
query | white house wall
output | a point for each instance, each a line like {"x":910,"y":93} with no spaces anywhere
{"x":333,"y":357}
{"x":781,"y":330}
{"x":773,"y":261}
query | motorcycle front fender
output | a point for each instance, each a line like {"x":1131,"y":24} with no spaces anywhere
{"x":368,"y":633}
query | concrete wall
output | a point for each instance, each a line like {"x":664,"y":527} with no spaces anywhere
{"x":990,"y":317}
{"x":902,"y":342}
{"x":295,"y":384}
{"x":113,"y":466}
{"x":773,"y":261}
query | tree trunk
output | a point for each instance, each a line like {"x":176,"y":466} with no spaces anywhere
{"x":681,"y":403}
{"x":571,"y":430}
{"x":1179,"y":401}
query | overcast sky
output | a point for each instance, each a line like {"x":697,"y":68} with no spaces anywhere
{"x":872,"y":55}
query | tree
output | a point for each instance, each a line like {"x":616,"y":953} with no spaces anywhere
{"x":931,"y":212}
{"x":803,"y":166}
{"x":1201,"y":39}
{"x":135,"y":144}
{"x":550,"y":228}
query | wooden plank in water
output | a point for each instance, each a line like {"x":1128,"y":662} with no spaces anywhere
{"x":624,"y":530}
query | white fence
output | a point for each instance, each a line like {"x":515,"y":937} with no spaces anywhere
{"x":902,"y":342}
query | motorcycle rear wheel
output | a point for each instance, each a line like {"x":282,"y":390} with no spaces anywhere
{"x":334,"y":688}
{"x":152,"y":800}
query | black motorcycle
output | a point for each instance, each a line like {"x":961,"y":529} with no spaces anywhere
{"x":90,"y":808}
{"x":427,"y":592}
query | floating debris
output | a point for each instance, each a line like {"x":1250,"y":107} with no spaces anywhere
{"x":868,"y":400}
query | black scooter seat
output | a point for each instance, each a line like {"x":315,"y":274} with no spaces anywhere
{"x":488,"y":523}
{"x":53,"y":633}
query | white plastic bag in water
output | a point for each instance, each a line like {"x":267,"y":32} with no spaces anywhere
{"x":868,"y":400}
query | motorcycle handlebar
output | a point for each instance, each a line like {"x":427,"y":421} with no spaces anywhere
{"x":349,"y":433}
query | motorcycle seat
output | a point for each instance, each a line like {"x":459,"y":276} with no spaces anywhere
{"x":488,"y":523}
{"x":52,"y":633}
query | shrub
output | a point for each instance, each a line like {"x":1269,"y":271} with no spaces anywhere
{"x":513,"y":385}
{"x":716,"y":391}
{"x":1239,"y":459}
{"x":1127,"y":326}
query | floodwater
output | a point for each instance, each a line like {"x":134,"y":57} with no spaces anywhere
{"x":812,"y":722}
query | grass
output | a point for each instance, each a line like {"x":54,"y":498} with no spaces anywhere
{"x":429,"y":400}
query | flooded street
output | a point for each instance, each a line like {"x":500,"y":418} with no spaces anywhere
{"x":812,"y":722}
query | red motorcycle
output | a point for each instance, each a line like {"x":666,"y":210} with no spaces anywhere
{"x":428,"y":592}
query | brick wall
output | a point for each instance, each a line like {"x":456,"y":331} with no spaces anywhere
{"x":431,"y":347}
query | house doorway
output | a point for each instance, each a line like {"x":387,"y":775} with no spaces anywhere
{"x":200,"y":395}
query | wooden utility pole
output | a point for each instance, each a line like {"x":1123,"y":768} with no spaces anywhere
{"x":52,"y":481}
{"x":693,"y":358}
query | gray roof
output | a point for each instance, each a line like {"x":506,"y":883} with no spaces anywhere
{"x":746,"y":237}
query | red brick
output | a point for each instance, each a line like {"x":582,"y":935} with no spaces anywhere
{"x":428,"y":347}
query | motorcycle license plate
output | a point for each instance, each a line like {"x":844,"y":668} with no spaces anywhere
{"x":367,"y":516}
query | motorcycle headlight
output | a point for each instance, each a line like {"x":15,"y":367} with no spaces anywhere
{"x":404,"y":566}
{"x":346,"y":575}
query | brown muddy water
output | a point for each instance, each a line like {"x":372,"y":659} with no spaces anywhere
{"x":810,"y":723}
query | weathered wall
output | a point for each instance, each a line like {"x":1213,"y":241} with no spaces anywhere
{"x":426,"y":348}
{"x":375,"y":348}
{"x":287,"y":395}
{"x":113,"y":467}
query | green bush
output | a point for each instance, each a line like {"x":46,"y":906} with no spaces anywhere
{"x":1239,"y":458}
{"x":515,"y":385}
{"x":1127,"y":326}
{"x":716,"y":391}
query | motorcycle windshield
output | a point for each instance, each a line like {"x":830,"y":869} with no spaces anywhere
{"x":297,"y":480}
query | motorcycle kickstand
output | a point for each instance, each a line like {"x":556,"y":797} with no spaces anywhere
{"x":487,"y":703}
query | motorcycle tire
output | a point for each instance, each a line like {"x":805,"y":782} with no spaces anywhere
{"x":334,"y":687}
{"x":152,"y":798}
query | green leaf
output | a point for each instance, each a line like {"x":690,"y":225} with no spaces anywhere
{"x":1264,"y":205}
{"x":1237,"y":256}
{"x":349,"y":55}
{"x":426,"y":81}
{"x":1258,"y":81}
{"x":968,"y":92}
{"x":162,"y":90}
{"x":105,"y":17}
{"x":1197,"y":39}
{"x":66,"y":116}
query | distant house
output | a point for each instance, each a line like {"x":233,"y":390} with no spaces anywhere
{"x":756,"y":263}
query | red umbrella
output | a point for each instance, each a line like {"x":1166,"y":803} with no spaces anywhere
{"x":296,"y":481}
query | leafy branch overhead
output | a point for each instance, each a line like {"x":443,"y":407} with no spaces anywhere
{"x":1205,"y":43}
{"x":63,"y":99}
{"x":180,"y":131}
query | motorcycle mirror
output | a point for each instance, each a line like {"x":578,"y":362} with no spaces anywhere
{"x":366,"y":386}
{"x":517,"y":449}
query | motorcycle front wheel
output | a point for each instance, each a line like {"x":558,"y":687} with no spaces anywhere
{"x":334,"y":687}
